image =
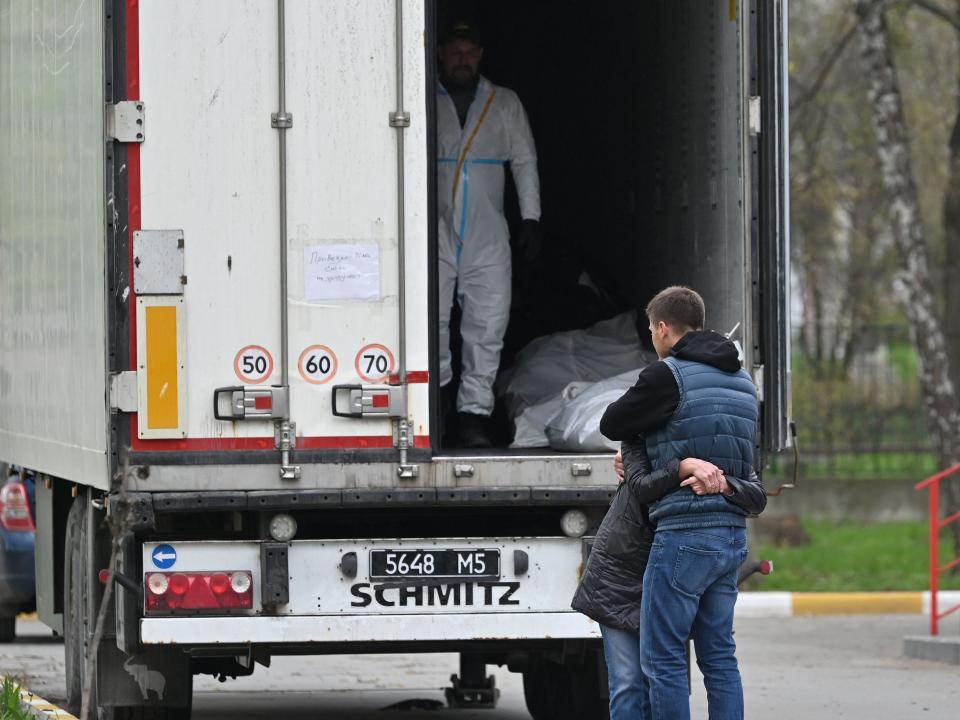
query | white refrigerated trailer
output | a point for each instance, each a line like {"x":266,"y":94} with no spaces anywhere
{"x":218,"y":340}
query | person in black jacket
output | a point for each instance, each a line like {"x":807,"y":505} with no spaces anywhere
{"x":612,"y":583}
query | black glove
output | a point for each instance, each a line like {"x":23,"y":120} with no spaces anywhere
{"x":529,"y":240}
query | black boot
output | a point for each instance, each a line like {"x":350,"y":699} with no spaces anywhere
{"x":474,"y":430}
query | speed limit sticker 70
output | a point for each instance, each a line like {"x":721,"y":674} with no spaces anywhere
{"x":253,"y":364}
{"x":374,"y":362}
{"x":318,"y":364}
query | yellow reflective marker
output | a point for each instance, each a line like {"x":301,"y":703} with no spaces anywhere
{"x":733,"y":9}
{"x":161,"y":385}
{"x":163,"y":390}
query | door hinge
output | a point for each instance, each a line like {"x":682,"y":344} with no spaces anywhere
{"x":754,"y":114}
{"x":158,"y":262}
{"x":758,"y":380}
{"x":124,"y":392}
{"x":125,"y":121}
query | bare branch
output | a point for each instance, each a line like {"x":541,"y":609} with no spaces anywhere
{"x":938,"y":11}
{"x":825,"y":69}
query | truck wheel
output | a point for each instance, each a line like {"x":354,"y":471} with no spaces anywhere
{"x":75,"y":613}
{"x":145,"y":713}
{"x":8,"y":628}
{"x":570,"y":691}
{"x":73,"y":606}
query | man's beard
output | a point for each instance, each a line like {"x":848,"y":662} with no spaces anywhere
{"x":461,"y":78}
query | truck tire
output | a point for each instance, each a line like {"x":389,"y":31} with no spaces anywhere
{"x":569,"y":691}
{"x":76,"y":615}
{"x":8,"y":628}
{"x":73,"y":605}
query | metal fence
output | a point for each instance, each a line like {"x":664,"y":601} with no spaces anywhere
{"x":858,"y":405}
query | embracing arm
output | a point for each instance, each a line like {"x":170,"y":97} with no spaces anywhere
{"x":646,"y":484}
{"x":647,"y":405}
{"x":747,"y":494}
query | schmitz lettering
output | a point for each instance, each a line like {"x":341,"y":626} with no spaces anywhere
{"x":390,"y":595}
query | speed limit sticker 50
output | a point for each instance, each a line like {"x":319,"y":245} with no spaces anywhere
{"x":374,"y":362}
{"x":253,"y":364}
{"x":318,"y":364}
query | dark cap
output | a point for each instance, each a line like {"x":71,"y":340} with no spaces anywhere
{"x":462,"y":30}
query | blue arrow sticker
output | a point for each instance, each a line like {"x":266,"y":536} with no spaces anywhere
{"x":164,"y":556}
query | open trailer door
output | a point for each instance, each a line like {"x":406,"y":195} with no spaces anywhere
{"x":267,"y":280}
{"x":772,"y":225}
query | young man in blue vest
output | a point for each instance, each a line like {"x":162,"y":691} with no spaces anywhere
{"x":697,"y":410}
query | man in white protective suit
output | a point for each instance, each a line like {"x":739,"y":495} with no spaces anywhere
{"x":481,"y":127}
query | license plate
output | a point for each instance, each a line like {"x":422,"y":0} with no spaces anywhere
{"x":445,"y":563}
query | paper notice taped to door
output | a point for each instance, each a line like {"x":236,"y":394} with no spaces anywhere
{"x":341,"y":272}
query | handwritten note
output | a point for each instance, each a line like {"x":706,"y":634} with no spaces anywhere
{"x":341,"y":272}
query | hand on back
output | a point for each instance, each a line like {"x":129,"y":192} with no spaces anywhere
{"x":703,"y":477}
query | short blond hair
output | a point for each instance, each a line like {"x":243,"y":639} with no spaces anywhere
{"x":679,"y":307}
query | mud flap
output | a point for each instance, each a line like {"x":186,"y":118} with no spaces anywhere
{"x":156,"y":677}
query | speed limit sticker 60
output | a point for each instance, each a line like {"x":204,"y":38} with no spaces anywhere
{"x":318,"y":364}
{"x":253,"y":364}
{"x":374,"y":362}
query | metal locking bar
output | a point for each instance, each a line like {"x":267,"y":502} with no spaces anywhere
{"x":369,"y":401}
{"x":251,"y":403}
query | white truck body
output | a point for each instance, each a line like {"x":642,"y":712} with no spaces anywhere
{"x":144,"y":202}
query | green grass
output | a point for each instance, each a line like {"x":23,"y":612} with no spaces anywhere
{"x":855,"y":557}
{"x":10,"y":701}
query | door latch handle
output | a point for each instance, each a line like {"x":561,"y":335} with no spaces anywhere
{"x":251,"y":403}
{"x":367,"y":400}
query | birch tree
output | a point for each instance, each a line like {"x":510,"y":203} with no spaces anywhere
{"x":913,"y":284}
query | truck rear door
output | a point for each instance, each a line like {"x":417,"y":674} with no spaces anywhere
{"x":206,"y":208}
{"x":771,"y":226}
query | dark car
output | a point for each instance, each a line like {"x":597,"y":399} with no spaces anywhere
{"x":17,"y":531}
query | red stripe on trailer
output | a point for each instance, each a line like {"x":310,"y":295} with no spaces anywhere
{"x":333,"y":442}
{"x":414,"y":377}
{"x":133,"y":168}
{"x":133,"y":191}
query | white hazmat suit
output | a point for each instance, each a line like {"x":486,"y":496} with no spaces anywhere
{"x":473,"y":234}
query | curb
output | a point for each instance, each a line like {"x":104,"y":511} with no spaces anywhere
{"x":40,"y":708}
{"x":935,"y":649}
{"x":794,"y":604}
{"x":37,"y":707}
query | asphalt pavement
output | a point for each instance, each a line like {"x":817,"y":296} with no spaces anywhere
{"x":794,"y":668}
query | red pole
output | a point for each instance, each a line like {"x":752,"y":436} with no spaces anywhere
{"x":934,"y":554}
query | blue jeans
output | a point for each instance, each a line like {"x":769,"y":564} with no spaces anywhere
{"x":689,"y":591}
{"x":629,"y":694}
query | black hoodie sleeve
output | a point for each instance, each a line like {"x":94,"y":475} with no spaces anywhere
{"x":645,"y":407}
{"x":646,"y":484}
{"x":748,"y":494}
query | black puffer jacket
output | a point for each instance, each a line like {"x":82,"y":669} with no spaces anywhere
{"x":612,"y":582}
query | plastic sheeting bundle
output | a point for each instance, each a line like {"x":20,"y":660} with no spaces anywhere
{"x":560,"y":384}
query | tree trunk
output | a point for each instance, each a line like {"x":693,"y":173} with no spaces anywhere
{"x":912,"y":283}
{"x":951,"y":239}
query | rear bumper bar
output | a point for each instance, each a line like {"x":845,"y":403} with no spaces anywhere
{"x":197,"y":631}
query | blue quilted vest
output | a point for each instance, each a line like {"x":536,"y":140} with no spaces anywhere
{"x":716,"y":420}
